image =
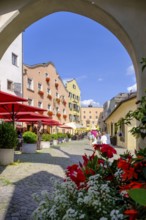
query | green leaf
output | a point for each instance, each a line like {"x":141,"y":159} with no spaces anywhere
{"x":138,"y":195}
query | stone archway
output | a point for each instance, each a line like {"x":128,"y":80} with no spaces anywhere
{"x":125,"y":20}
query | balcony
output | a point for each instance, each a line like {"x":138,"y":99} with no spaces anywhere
{"x":41,"y":93}
{"x":58,"y":115}
{"x":50,"y":113}
{"x":49,"y":96}
{"x":47,"y":79}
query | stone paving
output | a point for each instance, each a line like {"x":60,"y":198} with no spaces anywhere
{"x":31,"y":173}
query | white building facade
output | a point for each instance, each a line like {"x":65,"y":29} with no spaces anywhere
{"x":11,"y":68}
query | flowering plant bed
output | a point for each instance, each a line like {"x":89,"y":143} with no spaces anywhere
{"x":100,"y":188}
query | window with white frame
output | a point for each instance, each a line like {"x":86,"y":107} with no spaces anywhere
{"x":14,"y":59}
{"x":64,"y":111}
{"x":49,"y":91}
{"x":39,"y":87}
{"x":40,"y":104}
{"x":57,"y":94}
{"x":30,"y":102}
{"x":49,"y":107}
{"x":57,"y":109}
{"x":9,"y":85}
{"x":29,"y":83}
{"x":46,"y":74}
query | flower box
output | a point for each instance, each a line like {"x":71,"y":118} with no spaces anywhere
{"x":64,"y":116}
{"x":41,"y":93}
{"x":58,"y":115}
{"x":56,"y":85}
{"x":58,"y":100}
{"x":50,"y":113}
{"x":49,"y":96}
{"x":64,"y":102}
{"x":47,"y":79}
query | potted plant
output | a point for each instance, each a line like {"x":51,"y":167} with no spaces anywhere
{"x":8,"y":142}
{"x":55,"y":139}
{"x":47,"y":79}
{"x":45,"y":142}
{"x":30,"y":142}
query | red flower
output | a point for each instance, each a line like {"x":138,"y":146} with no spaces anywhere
{"x":76,"y":175}
{"x":107,"y":150}
{"x":97,"y":146}
{"x":132,"y":213}
{"x":132,"y":185}
{"x":123,"y":164}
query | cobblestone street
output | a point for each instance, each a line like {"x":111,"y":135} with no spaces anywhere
{"x":31,"y":173}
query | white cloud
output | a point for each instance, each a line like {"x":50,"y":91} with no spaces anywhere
{"x":99,"y":79}
{"x":132,"y":88}
{"x":90,"y":102}
{"x":67,"y":79}
{"x":81,"y":77}
{"x":130,"y":70}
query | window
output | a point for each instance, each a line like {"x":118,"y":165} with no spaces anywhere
{"x":90,"y":117}
{"x":30,"y":102}
{"x":90,"y":112}
{"x":14,"y":59}
{"x":10,"y":85}
{"x":49,"y":107}
{"x":57,"y":109}
{"x":84,"y":116}
{"x":96,"y":117}
{"x":57,"y":94}
{"x":29,"y":83}
{"x":49,"y":91}
{"x":84,"y":112}
{"x":64,"y":111}
{"x":39,"y":86}
{"x":46,"y":74}
{"x":40,"y":104}
{"x":70,"y":94}
{"x":74,"y":86}
{"x":70,"y":105}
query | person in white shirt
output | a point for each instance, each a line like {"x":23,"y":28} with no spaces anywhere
{"x":105,"y":138}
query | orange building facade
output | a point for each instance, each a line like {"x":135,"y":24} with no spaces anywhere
{"x":44,"y":88}
{"x":91,"y":117}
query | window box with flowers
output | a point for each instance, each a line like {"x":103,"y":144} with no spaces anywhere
{"x":41,"y":93}
{"x":47,"y":79}
{"x":58,"y":100}
{"x":65,"y":116}
{"x":56,"y":85}
{"x":49,"y":96}
{"x":50,"y":113}
{"x":64,"y":102}
{"x":58,"y":115}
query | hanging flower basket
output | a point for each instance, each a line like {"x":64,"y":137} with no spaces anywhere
{"x":64,"y":116}
{"x":49,"y":96}
{"x":58,"y":100}
{"x":47,"y":79}
{"x":64,"y":102}
{"x":56,"y":85}
{"x":41,"y":93}
{"x":58,"y":115}
{"x":50,"y":113}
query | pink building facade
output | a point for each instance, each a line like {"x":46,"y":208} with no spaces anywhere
{"x":44,"y":88}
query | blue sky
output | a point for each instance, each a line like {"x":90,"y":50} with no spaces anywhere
{"x":82,"y":49}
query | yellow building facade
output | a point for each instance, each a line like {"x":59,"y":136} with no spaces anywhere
{"x":74,"y":101}
{"x":124,"y":137}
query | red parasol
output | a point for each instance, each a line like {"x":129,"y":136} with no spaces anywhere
{"x":65,"y":126}
{"x":6,"y":97}
{"x":14,"y":107}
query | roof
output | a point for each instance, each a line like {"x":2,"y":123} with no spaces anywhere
{"x":131,"y":96}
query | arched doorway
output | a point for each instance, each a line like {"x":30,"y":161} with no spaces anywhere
{"x":125,"y":20}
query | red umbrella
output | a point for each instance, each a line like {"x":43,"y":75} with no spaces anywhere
{"x":44,"y":121}
{"x":23,"y":115}
{"x":6,"y":97}
{"x":14,"y":107}
{"x":65,"y":126}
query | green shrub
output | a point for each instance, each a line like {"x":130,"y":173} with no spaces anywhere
{"x":8,"y":136}
{"x":29,"y":137}
{"x":54,"y":136}
{"x":46,"y":137}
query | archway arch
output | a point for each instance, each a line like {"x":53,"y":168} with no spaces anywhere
{"x":125,"y":20}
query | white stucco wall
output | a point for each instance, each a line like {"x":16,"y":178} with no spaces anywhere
{"x":11,"y":72}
